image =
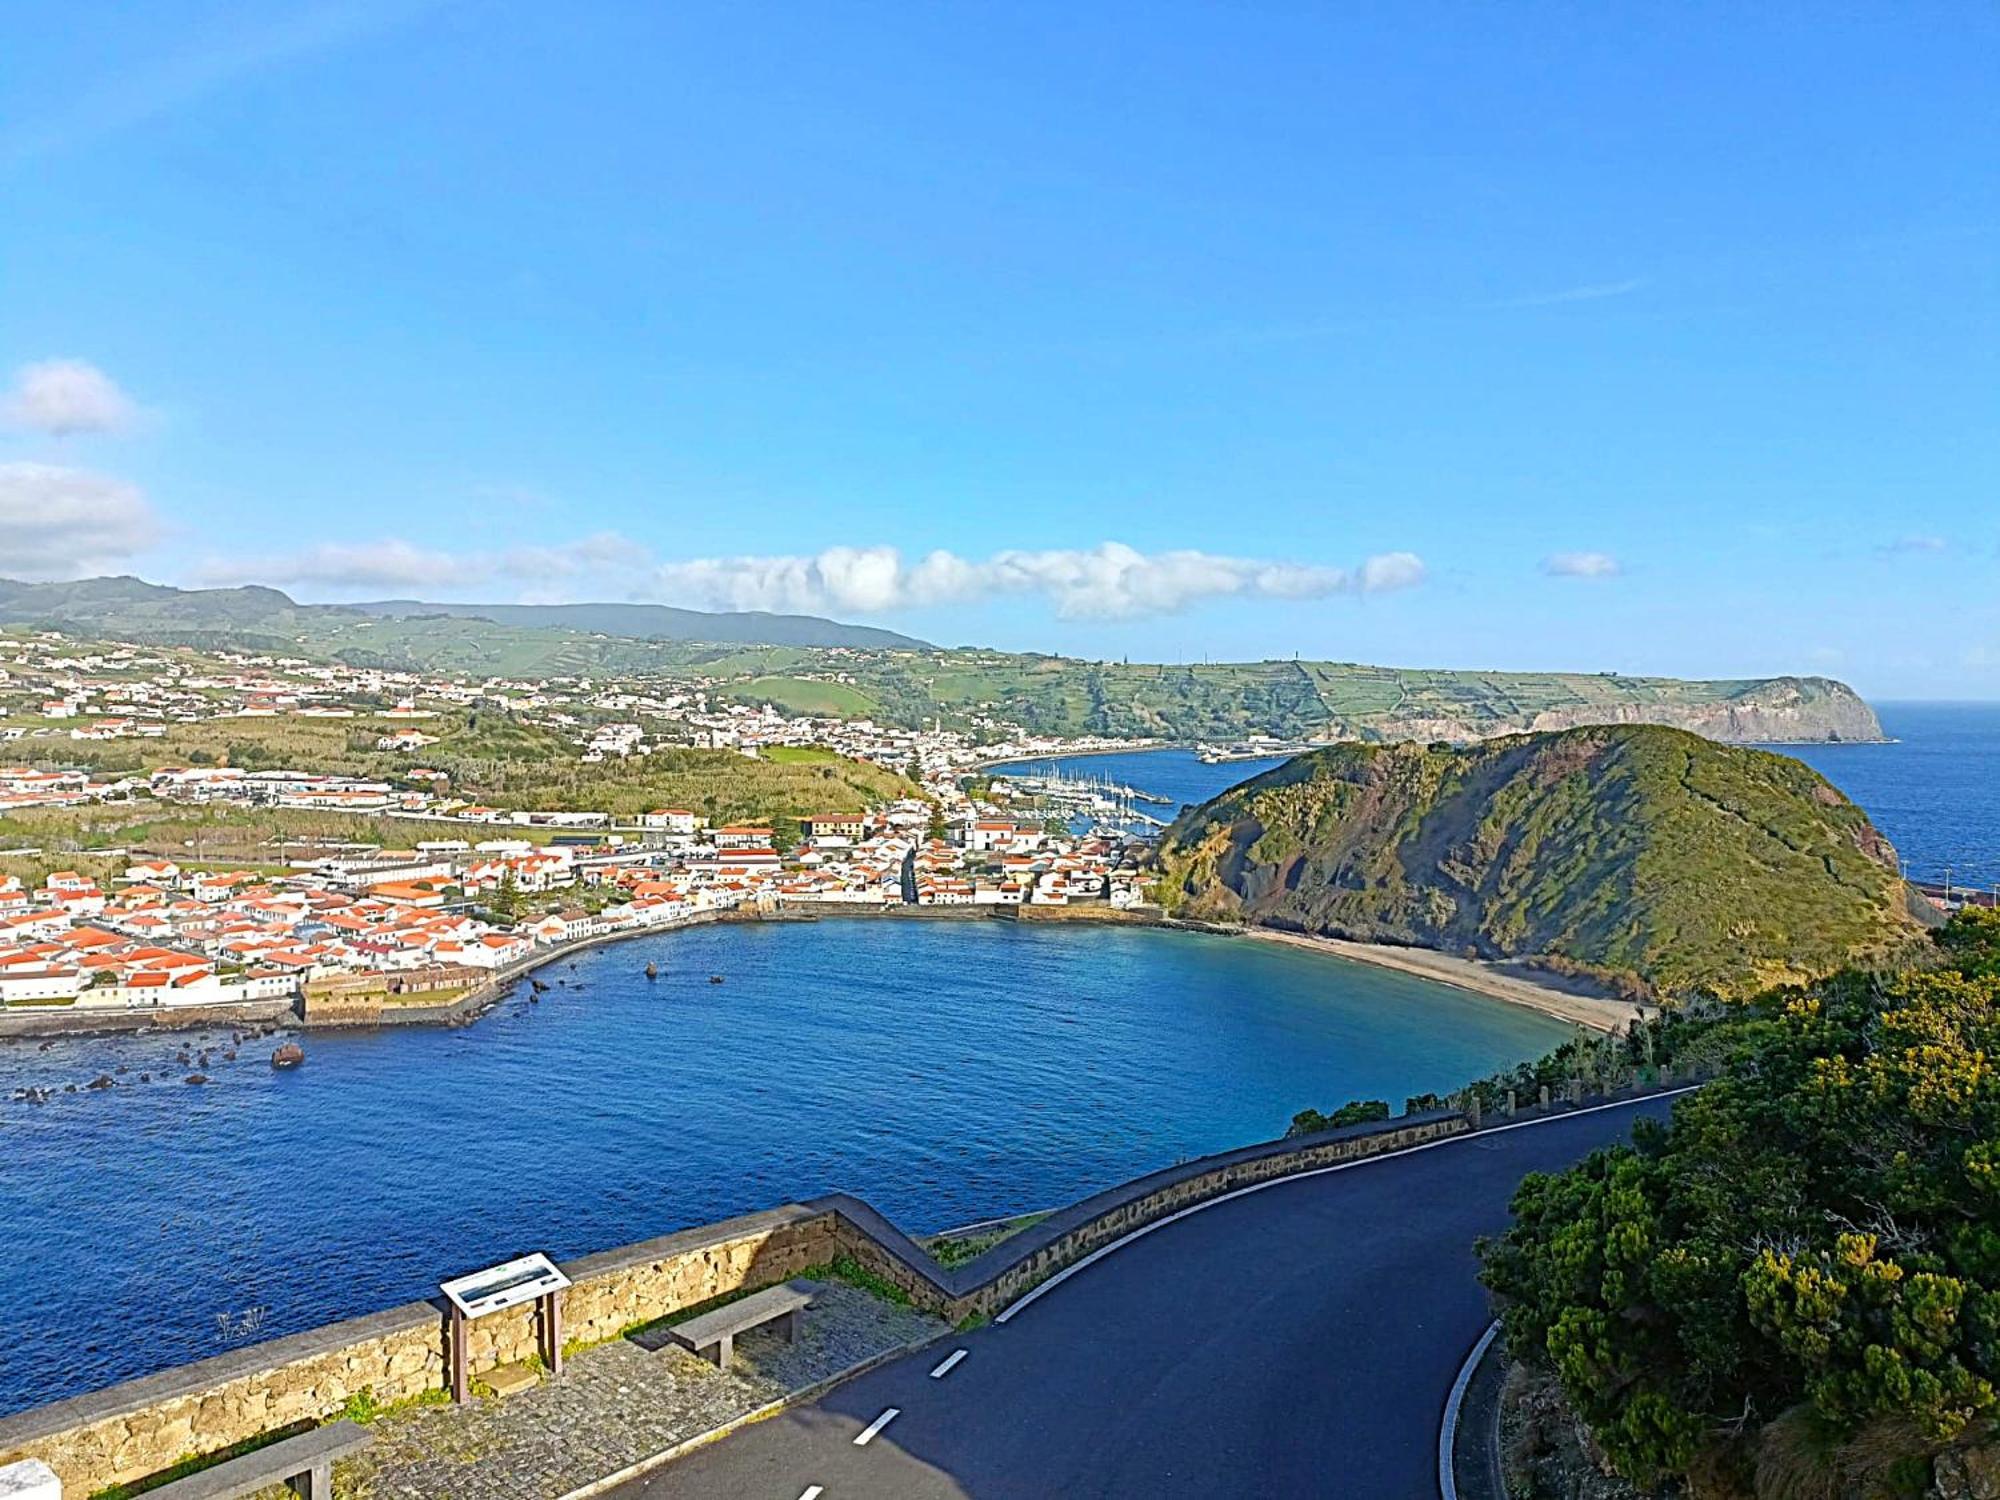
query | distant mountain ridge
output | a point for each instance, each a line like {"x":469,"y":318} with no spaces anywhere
{"x":1631,"y":849}
{"x":806,"y":665}
{"x":661,"y":622}
{"x":107,"y":605}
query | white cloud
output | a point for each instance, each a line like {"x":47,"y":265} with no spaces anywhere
{"x":1594,"y":292}
{"x":66,"y":523}
{"x":1581,"y":565}
{"x":1109,"y":581}
{"x":66,"y":396}
{"x":1918,"y":545}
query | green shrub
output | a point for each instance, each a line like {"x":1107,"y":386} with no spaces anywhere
{"x":1819,"y":1228}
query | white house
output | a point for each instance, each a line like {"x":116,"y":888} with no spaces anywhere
{"x":46,"y":986}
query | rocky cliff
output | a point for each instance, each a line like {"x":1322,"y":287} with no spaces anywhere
{"x":1763,"y":711}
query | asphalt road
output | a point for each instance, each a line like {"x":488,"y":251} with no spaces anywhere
{"x":1298,"y":1341}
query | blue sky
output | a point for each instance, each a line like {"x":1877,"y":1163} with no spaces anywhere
{"x":1650,"y":338}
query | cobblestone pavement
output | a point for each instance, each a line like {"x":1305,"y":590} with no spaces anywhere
{"x":617,"y":1404}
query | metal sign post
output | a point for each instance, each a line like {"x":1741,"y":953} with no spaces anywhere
{"x":532,"y":1278}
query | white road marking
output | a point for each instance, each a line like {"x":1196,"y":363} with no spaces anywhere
{"x":1022,"y":1302}
{"x":813,"y":1492}
{"x":867,"y":1434}
{"x":945,"y":1369}
{"x":1448,"y":1429}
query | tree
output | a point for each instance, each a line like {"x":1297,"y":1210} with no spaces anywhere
{"x":507,"y":895}
{"x":1354,"y":1112}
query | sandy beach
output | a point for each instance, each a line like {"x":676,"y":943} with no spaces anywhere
{"x":1468,"y":974}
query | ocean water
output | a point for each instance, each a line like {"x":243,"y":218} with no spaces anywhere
{"x":1935,"y":790}
{"x":944,"y":1071}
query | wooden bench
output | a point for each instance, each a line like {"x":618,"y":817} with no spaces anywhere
{"x":304,"y":1463}
{"x":713,"y":1334}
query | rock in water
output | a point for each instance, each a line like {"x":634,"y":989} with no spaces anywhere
{"x":288,"y":1055}
{"x":652,"y":971}
{"x":101,"y":1081}
{"x":196,"y":1078}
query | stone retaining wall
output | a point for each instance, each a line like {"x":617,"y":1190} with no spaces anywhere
{"x":987,"y":1283}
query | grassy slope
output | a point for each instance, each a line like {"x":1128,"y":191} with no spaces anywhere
{"x":1696,"y":865}
{"x":799,"y":695}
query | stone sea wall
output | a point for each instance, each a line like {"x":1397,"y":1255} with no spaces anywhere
{"x":131,"y":1431}
{"x":23,"y":1022}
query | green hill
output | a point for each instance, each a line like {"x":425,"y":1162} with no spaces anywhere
{"x":658,"y":622}
{"x":253,"y":617}
{"x":1698,"y":866}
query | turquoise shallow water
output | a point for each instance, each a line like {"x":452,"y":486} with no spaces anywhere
{"x":945,"y":1071}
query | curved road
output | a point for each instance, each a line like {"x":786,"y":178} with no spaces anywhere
{"x":1298,"y":1340}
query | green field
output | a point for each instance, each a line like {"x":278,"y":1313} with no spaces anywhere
{"x":800,"y":695}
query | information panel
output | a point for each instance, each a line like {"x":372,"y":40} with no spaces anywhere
{"x":500,"y":1287}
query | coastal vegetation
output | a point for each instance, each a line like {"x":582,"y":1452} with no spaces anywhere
{"x":1638,"y":853}
{"x":1793,"y":1289}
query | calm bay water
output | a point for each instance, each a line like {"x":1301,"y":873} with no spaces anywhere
{"x":944,"y":1071}
{"x":1935,"y":791}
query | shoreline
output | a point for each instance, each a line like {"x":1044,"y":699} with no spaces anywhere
{"x":1134,"y":747}
{"x":1471,"y":975}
